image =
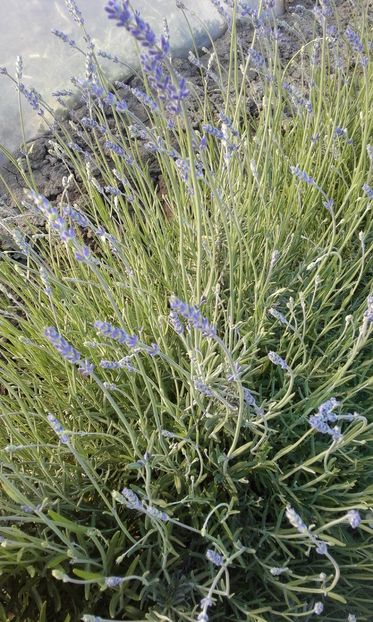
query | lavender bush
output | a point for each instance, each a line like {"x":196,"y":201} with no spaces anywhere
{"x":185,"y":373}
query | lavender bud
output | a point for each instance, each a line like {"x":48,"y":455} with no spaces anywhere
{"x":368,"y":191}
{"x":276,"y":314}
{"x":326,"y":408}
{"x":354,"y":40}
{"x":297,"y":172}
{"x":74,"y":11}
{"x":58,"y":428}
{"x":155,"y":513}
{"x":295,"y":520}
{"x":118,"y":334}
{"x":322,"y":548}
{"x":214,"y":558}
{"x":202,"y":387}
{"x":369,"y":149}
{"x":113,"y":581}
{"x":133,"y":502}
{"x":318,"y":608}
{"x":354,"y":518}
{"x":277,"y":360}
{"x":276,"y":572}
{"x":19,"y":68}
{"x":193,"y":315}
{"x":86,"y":367}
{"x":62,"y":346}
{"x":368,"y":315}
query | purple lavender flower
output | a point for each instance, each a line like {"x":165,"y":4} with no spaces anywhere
{"x":118,"y":11}
{"x":33,"y":98}
{"x":158,"y":75}
{"x":354,"y":40}
{"x":86,"y":367}
{"x":368,"y":191}
{"x":153,"y":349}
{"x":108,"y":56}
{"x":235,"y":373}
{"x":74,"y":11}
{"x":121,"y":106}
{"x":62,"y":93}
{"x":354,"y":518}
{"x":325,"y":415}
{"x":325,"y":409}
{"x":322,"y":547}
{"x":318,"y":423}
{"x":83,"y":254}
{"x":133,"y":502}
{"x":64,"y":37}
{"x":175,"y":323}
{"x":145,"y":99}
{"x":58,"y":428}
{"x":214,"y":558}
{"x":157,"y":514}
{"x":30,"y":510}
{"x":213,"y":131}
{"x":113,"y":581}
{"x":202,"y":387}
{"x":92,"y":124}
{"x":193,"y":316}
{"x":277,"y":360}
{"x":256,"y":59}
{"x":297,"y":172}
{"x":67,"y":351}
{"x":77,"y":217}
{"x":341,"y":132}
{"x":116,"y":333}
{"x":248,"y":397}
{"x":56,"y":221}
{"x":115,"y":148}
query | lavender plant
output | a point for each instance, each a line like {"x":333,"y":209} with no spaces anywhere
{"x":185,"y":372}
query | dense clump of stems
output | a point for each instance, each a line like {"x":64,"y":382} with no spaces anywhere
{"x":185,"y":390}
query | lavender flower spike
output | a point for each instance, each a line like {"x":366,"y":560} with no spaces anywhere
{"x":214,"y":558}
{"x":193,"y":315}
{"x":113,"y":581}
{"x":297,"y":172}
{"x":116,"y":333}
{"x":74,"y":11}
{"x":354,"y":518}
{"x":133,"y":502}
{"x":277,"y":360}
{"x":295,"y":520}
{"x":62,"y":346}
{"x":58,"y":428}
